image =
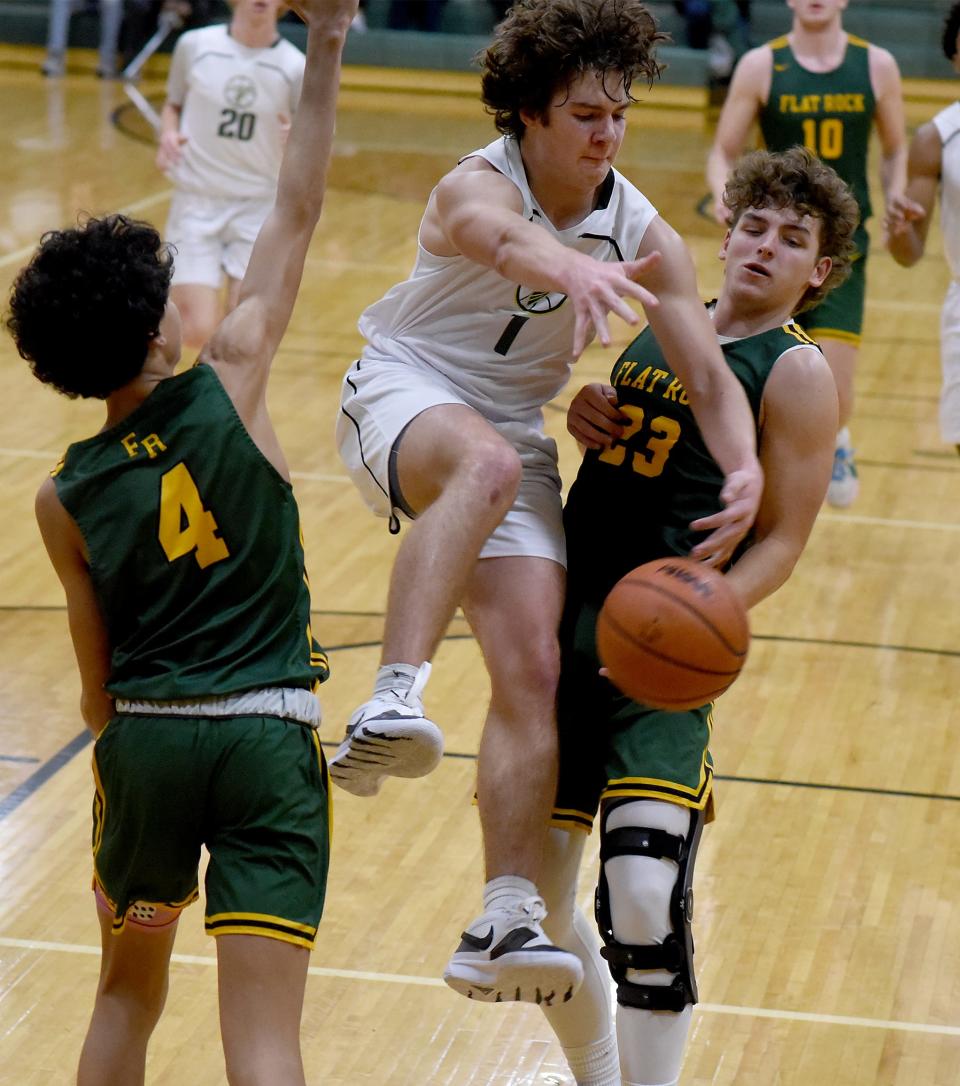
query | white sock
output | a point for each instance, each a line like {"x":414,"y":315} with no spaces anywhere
{"x":595,"y":1064}
{"x":506,"y":891}
{"x":395,"y":679}
{"x":843,"y":438}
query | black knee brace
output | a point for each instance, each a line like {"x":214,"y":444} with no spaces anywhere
{"x":675,"y":953}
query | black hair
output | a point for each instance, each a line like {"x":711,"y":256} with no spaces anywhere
{"x":84,"y":310}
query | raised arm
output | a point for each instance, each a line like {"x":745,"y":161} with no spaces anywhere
{"x":796,"y":451}
{"x":87,"y":630}
{"x":889,"y":119}
{"x":908,"y":216}
{"x":687,"y":338}
{"x":748,"y":92}
{"x":477,"y":212}
{"x":243,"y":347}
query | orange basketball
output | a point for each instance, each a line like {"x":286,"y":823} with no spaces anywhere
{"x":673,"y":634}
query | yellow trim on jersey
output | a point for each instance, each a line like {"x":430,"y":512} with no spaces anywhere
{"x":55,"y":471}
{"x":663,"y":797}
{"x":779,"y":43}
{"x":798,"y":333}
{"x":568,"y":818}
{"x":265,"y":918}
{"x":325,"y":774}
{"x":852,"y":39}
{"x":853,"y":338}
{"x":99,"y":806}
{"x":266,"y":933}
{"x":119,"y":922}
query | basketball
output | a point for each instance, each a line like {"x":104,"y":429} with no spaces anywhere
{"x":673,"y":634}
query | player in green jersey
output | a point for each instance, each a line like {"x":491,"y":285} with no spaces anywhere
{"x":824,"y":89}
{"x":189,"y":611}
{"x":647,"y":488}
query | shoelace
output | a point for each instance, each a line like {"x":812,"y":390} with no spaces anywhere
{"x":534,"y":908}
{"x":416,"y":689}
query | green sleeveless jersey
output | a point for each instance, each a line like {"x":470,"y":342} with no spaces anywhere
{"x":193,"y":540}
{"x":831,"y":113}
{"x":634,"y":502}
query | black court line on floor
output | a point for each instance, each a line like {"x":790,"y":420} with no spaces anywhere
{"x":23,"y":791}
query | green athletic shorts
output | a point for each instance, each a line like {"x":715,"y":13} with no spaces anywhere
{"x":252,"y":789}
{"x":613,"y":748}
{"x":840,"y":314}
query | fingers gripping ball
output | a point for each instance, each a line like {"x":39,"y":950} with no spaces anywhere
{"x":673,"y":634}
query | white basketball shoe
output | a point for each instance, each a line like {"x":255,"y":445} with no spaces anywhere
{"x":388,"y":736}
{"x":504,"y":956}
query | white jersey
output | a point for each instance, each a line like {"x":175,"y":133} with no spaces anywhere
{"x":506,"y":348}
{"x":231,"y":97}
{"x":947,"y":123}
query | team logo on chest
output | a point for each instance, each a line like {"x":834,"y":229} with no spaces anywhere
{"x":240,"y":92}
{"x":539,"y":301}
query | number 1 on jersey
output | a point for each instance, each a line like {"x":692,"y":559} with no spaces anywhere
{"x":185,"y":526}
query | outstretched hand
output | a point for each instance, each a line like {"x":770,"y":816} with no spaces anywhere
{"x":598,"y":288}
{"x":593,"y":417}
{"x":740,"y":495}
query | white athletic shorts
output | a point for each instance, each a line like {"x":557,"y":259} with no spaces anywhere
{"x":380,"y":397}
{"x":950,"y":364}
{"x":213,"y":236}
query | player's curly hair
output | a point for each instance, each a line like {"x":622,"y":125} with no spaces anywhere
{"x":543,"y":45}
{"x":799,"y":180}
{"x":85,"y":308}
{"x":951,"y":28}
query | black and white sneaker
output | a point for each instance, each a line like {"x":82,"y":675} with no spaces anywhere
{"x":504,"y":957}
{"x":387,"y":736}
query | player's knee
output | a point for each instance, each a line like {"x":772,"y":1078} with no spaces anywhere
{"x":644,"y":902}
{"x":524,"y":678}
{"x":141,"y":993}
{"x":491,"y":473}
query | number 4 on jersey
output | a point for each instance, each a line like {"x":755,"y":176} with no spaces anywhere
{"x":185,"y":526}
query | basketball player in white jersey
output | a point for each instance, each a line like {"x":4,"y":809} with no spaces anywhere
{"x":934,"y":165}
{"x":231,"y":94}
{"x":524,"y":249}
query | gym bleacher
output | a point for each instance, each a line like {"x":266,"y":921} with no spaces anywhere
{"x":910,"y":29}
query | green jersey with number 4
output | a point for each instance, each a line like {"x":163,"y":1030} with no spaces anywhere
{"x":830,"y":113}
{"x":634,"y":502}
{"x":193,"y":541}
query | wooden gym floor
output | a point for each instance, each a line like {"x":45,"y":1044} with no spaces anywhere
{"x":828,"y":933}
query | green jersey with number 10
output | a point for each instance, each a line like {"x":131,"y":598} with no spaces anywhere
{"x":829,"y":113}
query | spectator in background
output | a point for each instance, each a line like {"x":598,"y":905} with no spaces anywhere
{"x":58,"y":31}
{"x":416,"y":14}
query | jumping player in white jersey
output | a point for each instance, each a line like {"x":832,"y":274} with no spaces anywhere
{"x":231,"y":94}
{"x":934,"y":165}
{"x":524,"y":249}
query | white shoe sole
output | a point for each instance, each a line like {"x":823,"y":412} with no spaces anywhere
{"x":386,"y":748}
{"x":548,"y":977}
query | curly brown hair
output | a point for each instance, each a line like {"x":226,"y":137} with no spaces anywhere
{"x":543,"y":45}
{"x":797,"y":179}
